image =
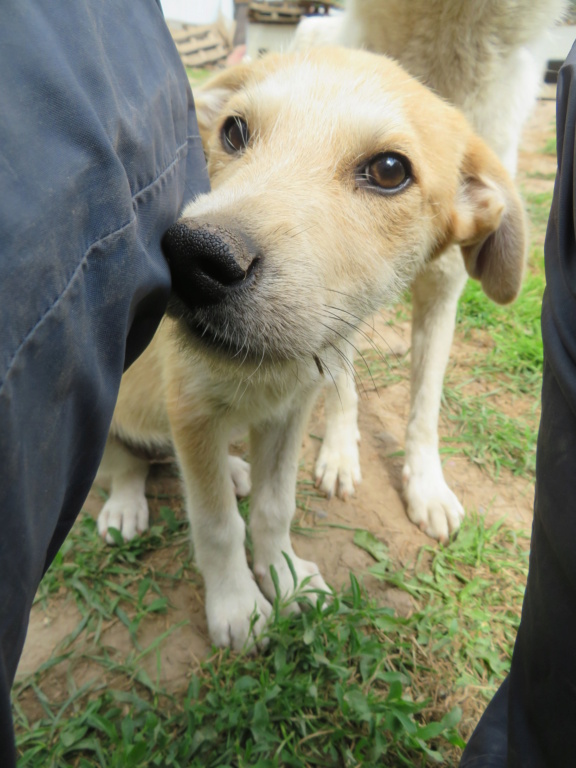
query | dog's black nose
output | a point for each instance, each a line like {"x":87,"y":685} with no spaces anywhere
{"x":203,"y":262}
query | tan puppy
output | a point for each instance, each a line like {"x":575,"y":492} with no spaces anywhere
{"x":487,"y":58}
{"x":336,"y":178}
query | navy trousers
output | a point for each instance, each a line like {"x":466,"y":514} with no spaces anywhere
{"x":530,"y":721}
{"x":99,"y":151}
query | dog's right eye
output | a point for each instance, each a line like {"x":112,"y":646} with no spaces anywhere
{"x":235,"y":134}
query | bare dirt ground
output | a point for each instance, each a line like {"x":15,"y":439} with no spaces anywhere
{"x":377,"y":507}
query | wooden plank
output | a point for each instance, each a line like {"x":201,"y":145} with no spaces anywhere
{"x":187,"y":31}
{"x":275,"y":13}
{"x":210,"y":40}
{"x":199,"y":46}
{"x":201,"y":58}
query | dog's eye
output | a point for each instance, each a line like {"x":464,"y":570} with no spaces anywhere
{"x":235,"y":134}
{"x":388,"y":172}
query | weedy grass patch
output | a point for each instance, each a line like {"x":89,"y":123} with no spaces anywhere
{"x":345,"y":683}
{"x":467,"y":597}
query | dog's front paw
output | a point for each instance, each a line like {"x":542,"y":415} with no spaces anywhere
{"x":128,"y":514}
{"x":338,"y":466}
{"x":237,"y":613}
{"x":240,"y":474}
{"x":303,"y":570}
{"x":432,"y":506}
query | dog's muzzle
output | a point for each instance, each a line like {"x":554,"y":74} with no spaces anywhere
{"x":209,"y":264}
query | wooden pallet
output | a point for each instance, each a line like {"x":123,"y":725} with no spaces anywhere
{"x":267,"y":12}
{"x":201,"y":46}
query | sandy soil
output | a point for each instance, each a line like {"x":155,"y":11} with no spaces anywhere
{"x":377,"y":507}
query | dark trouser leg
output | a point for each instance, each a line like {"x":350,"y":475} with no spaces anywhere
{"x":530,"y":722}
{"x":99,"y":151}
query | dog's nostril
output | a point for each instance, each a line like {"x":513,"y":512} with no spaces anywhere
{"x":214,"y":257}
{"x":251,"y":267}
{"x":203,"y":263}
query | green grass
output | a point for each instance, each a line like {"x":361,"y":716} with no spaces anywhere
{"x":541,"y":176}
{"x":538,"y":207}
{"x":513,"y":331}
{"x":344,"y":683}
{"x":466,"y":597}
{"x":198,"y":76}
{"x":487,"y":436}
{"x":549,"y":147}
{"x":124,"y":581}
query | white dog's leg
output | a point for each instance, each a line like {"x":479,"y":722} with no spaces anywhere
{"x":240,"y":474}
{"x":338,"y":465}
{"x":127,"y":507}
{"x":235,"y":608}
{"x":431,"y":504}
{"x":275,"y":447}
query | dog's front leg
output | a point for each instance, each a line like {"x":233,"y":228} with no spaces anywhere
{"x":275,"y":448}
{"x":431,"y":504}
{"x":338,"y":466}
{"x":235,"y":608}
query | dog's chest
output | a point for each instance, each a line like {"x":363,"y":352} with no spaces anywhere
{"x":252,"y":398}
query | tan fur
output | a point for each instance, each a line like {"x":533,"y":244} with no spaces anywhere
{"x":330,"y":252}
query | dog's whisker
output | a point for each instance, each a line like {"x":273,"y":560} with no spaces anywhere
{"x":255,"y":371}
{"x":358,"y":383}
{"x":368,"y":312}
{"x":326,"y":368}
{"x":302,"y":231}
{"x":349,"y":365}
{"x":355,"y":348}
{"x":364,"y":307}
{"x":349,"y":368}
{"x":362,"y":333}
{"x":371,"y":327}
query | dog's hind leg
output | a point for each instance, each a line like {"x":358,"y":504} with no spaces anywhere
{"x":338,"y":465}
{"x":127,"y":507}
{"x":240,"y":474}
{"x":235,"y":608}
{"x":275,"y":447}
{"x":431,"y":504}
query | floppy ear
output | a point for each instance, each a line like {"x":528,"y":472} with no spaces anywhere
{"x":489,"y":223}
{"x":211,"y":97}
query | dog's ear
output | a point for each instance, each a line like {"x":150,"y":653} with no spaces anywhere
{"x":489,"y":223}
{"x":211,"y":97}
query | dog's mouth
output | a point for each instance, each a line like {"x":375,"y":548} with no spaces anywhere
{"x":215,"y":332}
{"x":214,"y":339}
{"x":240,"y":352}
{"x":255,"y":330}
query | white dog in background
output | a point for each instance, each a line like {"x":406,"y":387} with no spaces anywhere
{"x":486,"y":57}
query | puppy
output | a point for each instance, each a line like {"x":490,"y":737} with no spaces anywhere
{"x":336,"y":178}
{"x":486,"y":58}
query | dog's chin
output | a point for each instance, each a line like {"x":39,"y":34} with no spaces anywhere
{"x":210,"y":340}
{"x":239,"y":346}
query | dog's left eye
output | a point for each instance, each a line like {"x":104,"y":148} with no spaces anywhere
{"x":387,"y":172}
{"x":235,"y":134}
